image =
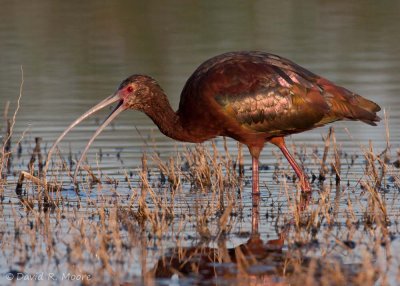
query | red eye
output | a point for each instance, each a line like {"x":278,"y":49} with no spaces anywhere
{"x":129,"y":89}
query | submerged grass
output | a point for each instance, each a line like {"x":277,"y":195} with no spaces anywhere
{"x":190,"y":217}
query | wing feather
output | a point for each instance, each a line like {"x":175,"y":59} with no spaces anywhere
{"x":266,"y":93}
{"x":276,"y":110}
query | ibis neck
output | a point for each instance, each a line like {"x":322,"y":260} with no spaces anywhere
{"x":167,"y":120}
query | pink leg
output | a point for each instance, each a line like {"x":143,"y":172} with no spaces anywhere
{"x":255,"y":213}
{"x":305,"y":185}
{"x":255,"y":189}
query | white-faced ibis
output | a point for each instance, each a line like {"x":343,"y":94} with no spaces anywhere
{"x":252,"y":97}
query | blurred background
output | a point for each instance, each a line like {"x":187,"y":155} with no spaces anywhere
{"x":75,"y":54}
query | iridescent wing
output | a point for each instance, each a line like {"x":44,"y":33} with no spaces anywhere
{"x":276,"y":110}
{"x":267,"y":93}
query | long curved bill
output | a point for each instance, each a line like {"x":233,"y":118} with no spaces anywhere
{"x":109,"y":100}
{"x":117,"y":110}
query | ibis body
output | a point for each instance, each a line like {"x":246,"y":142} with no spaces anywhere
{"x":253,"y":97}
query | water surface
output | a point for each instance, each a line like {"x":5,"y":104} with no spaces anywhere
{"x":73,"y":56}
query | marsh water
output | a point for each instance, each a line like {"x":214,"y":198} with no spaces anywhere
{"x":69,"y":56}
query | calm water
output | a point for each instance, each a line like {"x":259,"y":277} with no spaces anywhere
{"x":73,"y":56}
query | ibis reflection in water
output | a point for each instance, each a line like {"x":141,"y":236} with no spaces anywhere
{"x":256,"y":262}
{"x":252,"y":97}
